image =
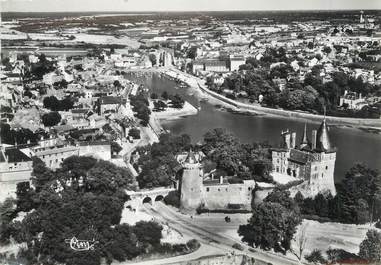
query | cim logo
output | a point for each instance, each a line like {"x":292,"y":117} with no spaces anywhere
{"x":81,"y":245}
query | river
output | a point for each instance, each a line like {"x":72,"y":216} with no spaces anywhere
{"x":353,"y":145}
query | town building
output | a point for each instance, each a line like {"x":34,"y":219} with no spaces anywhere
{"x":109,"y":104}
{"x":311,"y":161}
{"x":51,"y":151}
{"x":15,"y":167}
{"x":352,"y":100}
{"x":236,"y":62}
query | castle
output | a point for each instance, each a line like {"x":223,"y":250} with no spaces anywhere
{"x":312,"y":161}
{"x":209,"y":193}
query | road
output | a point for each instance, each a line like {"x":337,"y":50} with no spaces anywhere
{"x":209,"y":232}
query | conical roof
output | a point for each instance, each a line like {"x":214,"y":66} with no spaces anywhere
{"x":323,"y":143}
{"x":191,"y":158}
{"x":305,"y":137}
{"x":305,"y":143}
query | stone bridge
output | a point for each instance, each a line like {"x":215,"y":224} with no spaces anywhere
{"x":138,"y":198}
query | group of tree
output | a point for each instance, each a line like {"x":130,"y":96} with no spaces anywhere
{"x":140,"y":106}
{"x":55,"y":104}
{"x":358,"y":198}
{"x":370,"y":252}
{"x":256,"y":78}
{"x":245,"y":161}
{"x":115,"y":148}
{"x":273,"y":223}
{"x":158,"y":166}
{"x":134,"y":133}
{"x":60,"y":84}
{"x":90,"y":207}
{"x":36,"y":71}
{"x":157,"y":162}
{"x":19,"y":135}
{"x":175,"y":101}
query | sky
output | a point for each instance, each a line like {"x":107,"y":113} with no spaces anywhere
{"x":181,"y":5}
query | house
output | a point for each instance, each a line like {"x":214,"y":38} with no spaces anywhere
{"x":15,"y":167}
{"x":236,"y":62}
{"x":109,"y":104}
{"x":352,"y":100}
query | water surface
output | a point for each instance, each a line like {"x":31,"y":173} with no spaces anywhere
{"x":353,"y":145}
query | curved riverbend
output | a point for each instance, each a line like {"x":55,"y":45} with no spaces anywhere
{"x":353,"y":144}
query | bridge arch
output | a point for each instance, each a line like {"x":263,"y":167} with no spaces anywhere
{"x":147,"y":200}
{"x":159,"y":198}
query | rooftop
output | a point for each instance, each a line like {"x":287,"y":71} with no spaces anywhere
{"x":13,"y":155}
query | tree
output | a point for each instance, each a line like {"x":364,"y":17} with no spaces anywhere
{"x":370,"y":248}
{"x":327,"y":50}
{"x":336,"y":255}
{"x":300,"y":240}
{"x":165,"y":95}
{"x":134,"y":133}
{"x":315,"y":257}
{"x":51,"y":119}
{"x":117,"y":84}
{"x":283,"y":198}
{"x":148,"y":232}
{"x":140,"y":106}
{"x":115,"y":148}
{"x":173,"y":198}
{"x":7,"y":213}
{"x":24,"y":197}
{"x":272,"y":226}
{"x":61,"y":84}
{"x":177,"y":101}
{"x":51,"y":103}
{"x":159,"y":105}
{"x":192,"y":52}
{"x":360,"y":189}
{"x":153,"y":59}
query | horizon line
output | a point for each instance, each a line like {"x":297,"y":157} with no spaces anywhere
{"x":193,"y":11}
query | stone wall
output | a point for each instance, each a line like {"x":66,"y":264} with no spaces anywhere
{"x":219,"y":196}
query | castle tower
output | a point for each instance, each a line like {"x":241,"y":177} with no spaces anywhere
{"x":191,"y":184}
{"x":322,"y":170}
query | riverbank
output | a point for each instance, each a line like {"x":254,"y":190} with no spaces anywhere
{"x":172,"y":113}
{"x":243,"y":108}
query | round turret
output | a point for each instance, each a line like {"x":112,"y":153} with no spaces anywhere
{"x":191,"y":184}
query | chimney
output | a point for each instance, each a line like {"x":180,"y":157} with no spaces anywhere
{"x":221,"y":179}
{"x":314,"y":138}
{"x":293,"y":140}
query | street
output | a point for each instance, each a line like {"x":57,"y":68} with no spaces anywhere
{"x":208,"y":231}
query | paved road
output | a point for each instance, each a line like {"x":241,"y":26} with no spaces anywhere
{"x":206,"y":230}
